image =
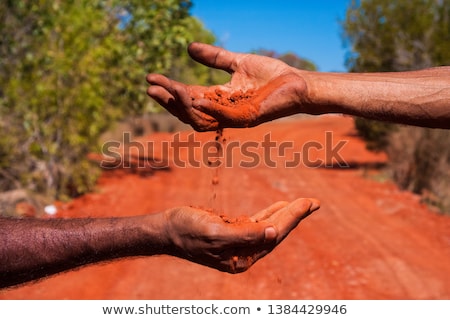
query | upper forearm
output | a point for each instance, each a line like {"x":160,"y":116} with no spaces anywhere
{"x":32,"y":249}
{"x":418,"y":97}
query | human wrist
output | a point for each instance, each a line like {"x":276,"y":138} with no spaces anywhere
{"x":321,"y":96}
{"x":153,"y":238}
{"x":132,"y":236}
{"x":174,"y":229}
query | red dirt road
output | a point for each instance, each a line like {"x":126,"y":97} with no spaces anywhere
{"x":369,"y":240}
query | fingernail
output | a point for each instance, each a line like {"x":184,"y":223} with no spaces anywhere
{"x":270,"y":234}
{"x":314,"y":205}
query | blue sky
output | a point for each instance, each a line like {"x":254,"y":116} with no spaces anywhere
{"x":308,"y":28}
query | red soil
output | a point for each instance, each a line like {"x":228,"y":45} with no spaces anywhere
{"x":230,"y":100}
{"x":369,"y":240}
{"x":240,"y":106}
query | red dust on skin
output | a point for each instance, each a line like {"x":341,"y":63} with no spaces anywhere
{"x":225,"y":218}
{"x":241,"y":109}
{"x":236,"y":220}
{"x":236,"y":99}
{"x":242,"y":106}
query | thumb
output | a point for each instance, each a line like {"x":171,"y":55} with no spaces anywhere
{"x":212,"y":56}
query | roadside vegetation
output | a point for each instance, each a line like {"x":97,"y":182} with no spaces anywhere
{"x":69,"y":70}
{"x":402,"y":35}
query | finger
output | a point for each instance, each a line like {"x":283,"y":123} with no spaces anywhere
{"x":172,"y":95}
{"x":248,"y":234}
{"x":203,"y":122}
{"x":165,"y":99}
{"x":170,"y":92}
{"x":315,"y":204}
{"x":182,"y":93}
{"x":159,"y":80}
{"x":212,"y":56}
{"x":229,"y":116}
{"x":286,"y":219}
{"x":245,"y":255}
{"x":173,"y":87}
{"x":160,"y":94}
{"x":267,"y":212}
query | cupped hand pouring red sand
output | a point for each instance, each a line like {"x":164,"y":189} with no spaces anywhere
{"x":263,"y":89}
{"x":260,"y":90}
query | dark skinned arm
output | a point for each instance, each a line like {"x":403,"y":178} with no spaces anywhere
{"x":32,"y":249}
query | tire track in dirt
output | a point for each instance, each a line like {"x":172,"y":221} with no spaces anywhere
{"x":381,"y":253}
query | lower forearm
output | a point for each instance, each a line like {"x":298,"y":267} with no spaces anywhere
{"x":33,"y":248}
{"x":418,"y":97}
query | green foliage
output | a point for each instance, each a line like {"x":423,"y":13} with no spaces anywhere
{"x":289,"y":58}
{"x":51,"y":78}
{"x":68,"y":70}
{"x":150,"y":37}
{"x":295,"y":61}
{"x":375,"y":133}
{"x":398,"y":36}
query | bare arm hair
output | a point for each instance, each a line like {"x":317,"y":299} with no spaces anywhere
{"x":31,"y":249}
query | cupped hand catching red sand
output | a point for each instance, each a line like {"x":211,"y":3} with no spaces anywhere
{"x":233,"y":244}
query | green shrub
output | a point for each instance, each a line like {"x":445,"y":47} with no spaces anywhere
{"x":375,"y":133}
{"x":68,"y":71}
